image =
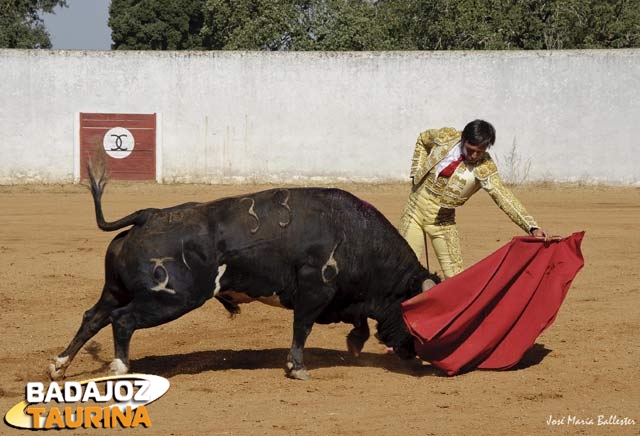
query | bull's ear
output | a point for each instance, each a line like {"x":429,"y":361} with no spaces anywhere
{"x":428,"y":284}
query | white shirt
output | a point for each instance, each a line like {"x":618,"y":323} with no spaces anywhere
{"x":453,"y":155}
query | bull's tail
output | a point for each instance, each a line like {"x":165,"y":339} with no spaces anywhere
{"x":98,"y":180}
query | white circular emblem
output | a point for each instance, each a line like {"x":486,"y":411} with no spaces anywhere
{"x":118,"y":142}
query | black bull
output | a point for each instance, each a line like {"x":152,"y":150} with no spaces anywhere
{"x":324,"y":253}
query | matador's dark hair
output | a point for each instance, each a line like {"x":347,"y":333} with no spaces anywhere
{"x":479,"y":132}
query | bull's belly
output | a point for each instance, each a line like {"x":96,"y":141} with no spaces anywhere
{"x":238,"y":297}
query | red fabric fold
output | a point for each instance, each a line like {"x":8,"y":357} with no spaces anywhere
{"x":449,"y":169}
{"x":489,"y":315}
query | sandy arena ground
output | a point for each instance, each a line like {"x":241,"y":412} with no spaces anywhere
{"x":227,"y":374}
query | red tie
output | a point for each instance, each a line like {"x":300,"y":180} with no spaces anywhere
{"x":449,"y":169}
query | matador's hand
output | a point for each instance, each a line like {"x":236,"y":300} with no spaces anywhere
{"x":540,"y":233}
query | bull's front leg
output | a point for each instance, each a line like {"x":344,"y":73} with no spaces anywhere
{"x":360,"y":333}
{"x":295,"y":363}
{"x":358,"y":336}
{"x":312,"y":297}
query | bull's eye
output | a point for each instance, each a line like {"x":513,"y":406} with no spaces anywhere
{"x":159,"y":274}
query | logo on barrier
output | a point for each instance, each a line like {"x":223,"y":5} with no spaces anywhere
{"x":118,"y":142}
{"x":105,"y":402}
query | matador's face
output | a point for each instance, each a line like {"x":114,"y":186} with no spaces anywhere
{"x":472,"y":153}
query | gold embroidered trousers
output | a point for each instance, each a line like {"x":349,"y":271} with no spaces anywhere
{"x":423,"y":216}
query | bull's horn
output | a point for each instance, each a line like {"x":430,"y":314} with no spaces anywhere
{"x":428,"y":284}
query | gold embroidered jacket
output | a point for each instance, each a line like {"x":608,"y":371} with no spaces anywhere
{"x":431,"y":147}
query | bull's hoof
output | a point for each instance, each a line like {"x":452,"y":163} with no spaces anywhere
{"x":117,"y":367}
{"x":299,"y":374}
{"x":55,"y":374}
{"x":58,"y":368}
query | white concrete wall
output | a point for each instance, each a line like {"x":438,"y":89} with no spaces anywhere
{"x":304,"y":117}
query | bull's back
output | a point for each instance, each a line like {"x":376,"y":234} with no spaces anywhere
{"x":303,"y":214}
{"x":300,"y":218}
{"x":282,"y":227}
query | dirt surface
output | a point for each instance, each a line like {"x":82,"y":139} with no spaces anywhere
{"x":227,"y":374}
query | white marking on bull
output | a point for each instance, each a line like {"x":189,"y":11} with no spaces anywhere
{"x":221,"y":269}
{"x":428,"y":284}
{"x":286,"y":206}
{"x":159,"y":265}
{"x":331,"y":263}
{"x":58,"y":367}
{"x":184,"y":259}
{"x":252,"y":213}
{"x":118,"y":367}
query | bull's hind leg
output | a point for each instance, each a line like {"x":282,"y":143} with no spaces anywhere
{"x":123,"y":323}
{"x":93,"y":320}
{"x":312,"y":297}
{"x":148,"y":311}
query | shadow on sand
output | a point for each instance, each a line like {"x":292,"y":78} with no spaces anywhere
{"x":220,"y":360}
{"x":532,"y":357}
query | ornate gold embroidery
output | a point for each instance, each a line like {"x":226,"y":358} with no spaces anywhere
{"x":453,"y":248}
{"x":405,"y":220}
{"x":508,"y":202}
{"x":446,"y":135}
{"x":456,"y":184}
{"x":485,"y":168}
{"x":436,"y":186}
{"x":431,"y":146}
{"x":448,"y":192}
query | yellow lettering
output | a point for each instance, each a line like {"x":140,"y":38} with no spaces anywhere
{"x":69,"y":418}
{"x":106,"y":415}
{"x":35,"y":414}
{"x":141,"y":417}
{"x":125,"y":418}
{"x":54,"y":418}
{"x":92,"y":417}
